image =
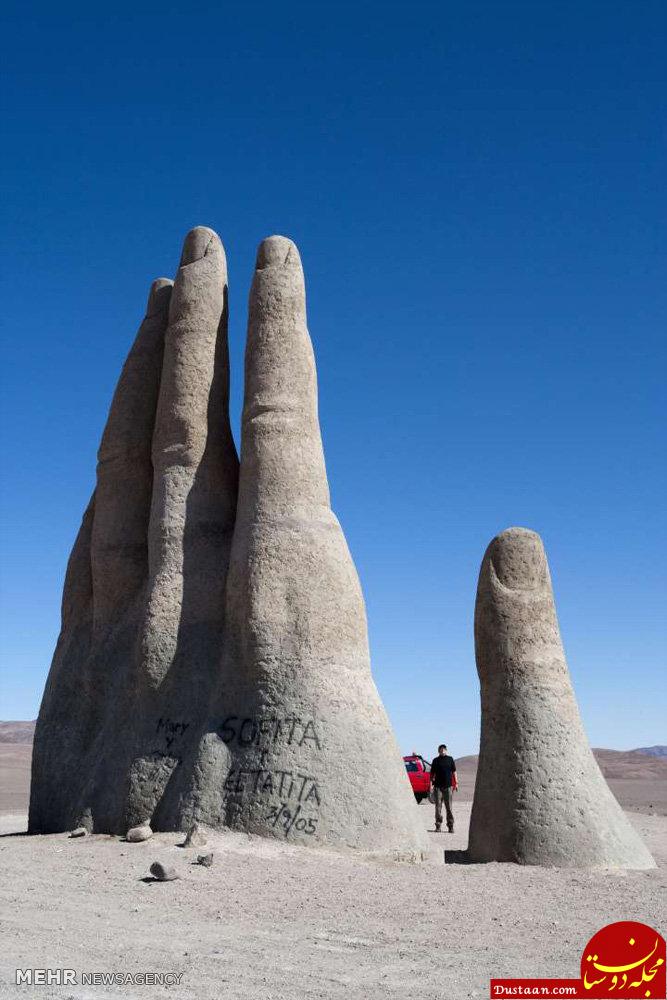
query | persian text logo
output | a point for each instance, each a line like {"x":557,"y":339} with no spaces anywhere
{"x":626,"y":957}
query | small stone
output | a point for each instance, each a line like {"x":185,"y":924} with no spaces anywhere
{"x":195,"y":837}
{"x":163,"y":873}
{"x":205,"y":859}
{"x":79,"y":832}
{"x":138,"y":833}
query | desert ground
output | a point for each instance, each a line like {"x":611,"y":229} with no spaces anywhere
{"x":269,"y":921}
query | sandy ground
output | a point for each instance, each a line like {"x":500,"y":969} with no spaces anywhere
{"x":275,"y":922}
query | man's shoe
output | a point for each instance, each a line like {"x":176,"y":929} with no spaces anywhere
{"x":437,"y":827}
{"x":450,"y":829}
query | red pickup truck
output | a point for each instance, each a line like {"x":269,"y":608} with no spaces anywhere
{"x":419,"y":773}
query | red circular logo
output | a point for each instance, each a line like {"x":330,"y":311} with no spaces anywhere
{"x":626,"y":958}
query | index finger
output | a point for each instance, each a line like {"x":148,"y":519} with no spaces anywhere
{"x":282,"y":460}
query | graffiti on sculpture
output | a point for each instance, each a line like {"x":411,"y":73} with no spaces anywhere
{"x":269,"y":731}
{"x":170,"y":730}
{"x":298,"y":794}
{"x":213,"y":587}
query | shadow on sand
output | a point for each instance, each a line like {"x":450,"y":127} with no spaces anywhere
{"x":457,"y":858}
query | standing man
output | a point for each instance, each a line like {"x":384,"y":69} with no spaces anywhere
{"x":443,"y":782}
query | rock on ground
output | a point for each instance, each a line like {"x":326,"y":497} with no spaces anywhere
{"x":196,"y":837}
{"x":139,"y":833}
{"x":163,"y":873}
{"x":284,"y":922}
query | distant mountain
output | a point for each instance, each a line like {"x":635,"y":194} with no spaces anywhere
{"x":613,"y":764}
{"x":23,"y":732}
{"x":17,"y":732}
{"x":658,"y":751}
{"x":630,"y":764}
{"x":638,"y":778}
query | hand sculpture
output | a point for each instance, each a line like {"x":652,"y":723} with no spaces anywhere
{"x":213,"y":660}
{"x":540,"y":797}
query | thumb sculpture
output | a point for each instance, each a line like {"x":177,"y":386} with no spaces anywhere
{"x":540,"y":797}
{"x":213,"y":662}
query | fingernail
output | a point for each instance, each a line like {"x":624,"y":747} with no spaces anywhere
{"x":277,"y":251}
{"x":519,"y":559}
{"x":199,"y":241}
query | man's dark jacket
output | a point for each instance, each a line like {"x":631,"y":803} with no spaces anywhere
{"x":442,"y":769}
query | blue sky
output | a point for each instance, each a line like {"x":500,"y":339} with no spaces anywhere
{"x":477,"y":193}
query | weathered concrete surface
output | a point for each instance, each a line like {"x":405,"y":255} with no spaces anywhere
{"x":298,"y":709}
{"x":143,"y":606}
{"x":108,"y":560}
{"x":540,"y":797}
{"x":181,"y":693}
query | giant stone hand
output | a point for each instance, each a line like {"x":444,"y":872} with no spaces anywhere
{"x":213,"y":661}
{"x":540,"y":797}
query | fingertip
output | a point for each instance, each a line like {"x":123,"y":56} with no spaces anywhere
{"x":519,"y":559}
{"x":159,"y":295}
{"x":277,"y":251}
{"x":199,"y":242}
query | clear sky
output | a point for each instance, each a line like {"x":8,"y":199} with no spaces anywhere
{"x":477,"y":193}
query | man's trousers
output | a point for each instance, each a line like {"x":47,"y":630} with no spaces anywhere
{"x":443,"y":796}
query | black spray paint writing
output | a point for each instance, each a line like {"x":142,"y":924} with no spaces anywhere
{"x":287,"y":784}
{"x":291,"y":730}
{"x":170,"y":729}
{"x":283,"y":816}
